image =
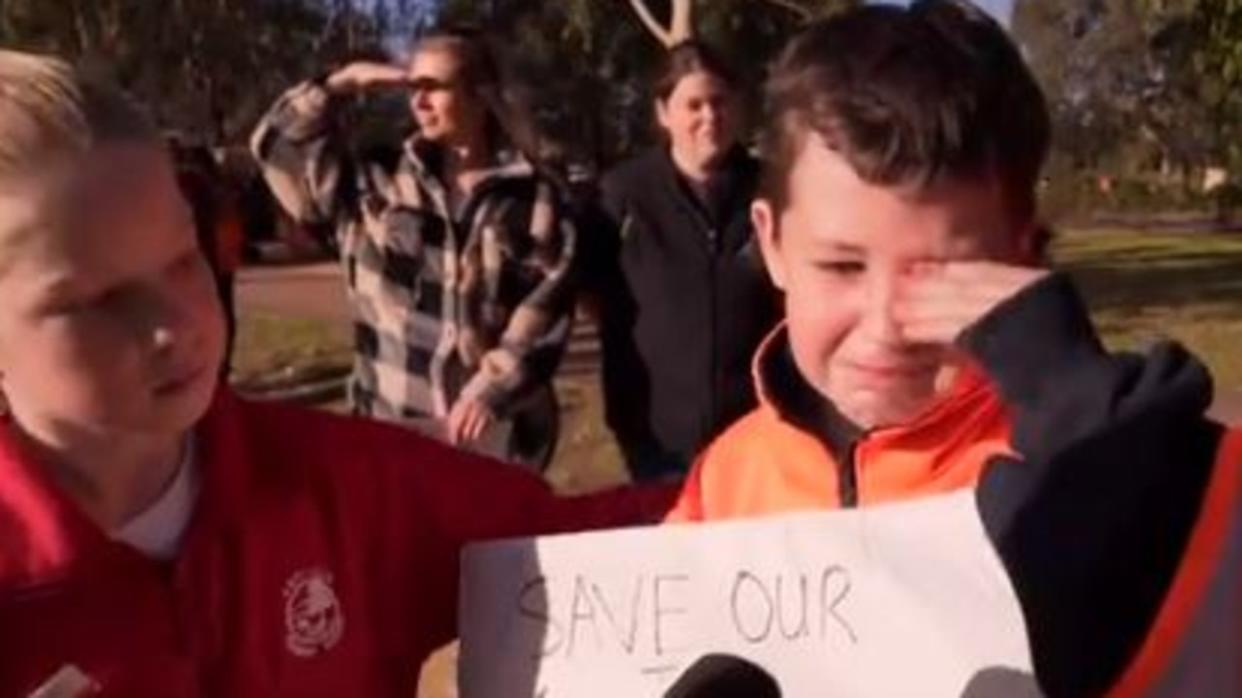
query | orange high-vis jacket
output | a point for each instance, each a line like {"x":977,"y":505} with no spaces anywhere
{"x":765,"y":464}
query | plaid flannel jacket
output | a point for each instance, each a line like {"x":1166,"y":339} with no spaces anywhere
{"x":446,"y":307}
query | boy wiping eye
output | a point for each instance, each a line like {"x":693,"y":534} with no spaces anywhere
{"x":926,"y":349}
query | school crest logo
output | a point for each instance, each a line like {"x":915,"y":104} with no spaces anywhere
{"x":313,"y":617}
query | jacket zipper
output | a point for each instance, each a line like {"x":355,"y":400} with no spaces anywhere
{"x":847,"y":479}
{"x":712,"y":235}
{"x":714,"y":339}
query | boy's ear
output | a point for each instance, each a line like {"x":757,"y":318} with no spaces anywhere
{"x":763,"y":218}
{"x":1035,"y":244}
{"x":661,"y":112}
{"x":1031,"y":245}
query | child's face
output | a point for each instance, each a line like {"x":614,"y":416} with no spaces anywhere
{"x":840,"y":250}
{"x":110,"y":322}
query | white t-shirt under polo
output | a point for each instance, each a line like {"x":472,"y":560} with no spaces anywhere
{"x":157,"y":531}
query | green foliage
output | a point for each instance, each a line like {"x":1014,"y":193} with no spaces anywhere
{"x":1139,"y":86}
{"x":1134,"y":86}
{"x":585,"y":66}
{"x":208,"y":67}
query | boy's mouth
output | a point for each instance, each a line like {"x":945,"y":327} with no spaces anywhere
{"x":890,"y":372}
{"x":179,"y":381}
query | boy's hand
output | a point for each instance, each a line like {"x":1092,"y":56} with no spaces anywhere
{"x":365,"y":75}
{"x":468,"y":420}
{"x":938,"y":300}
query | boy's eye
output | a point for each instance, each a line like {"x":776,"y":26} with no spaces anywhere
{"x":185,"y":263}
{"x":851,"y":267}
{"x":85,"y":303}
{"x":108,"y":297}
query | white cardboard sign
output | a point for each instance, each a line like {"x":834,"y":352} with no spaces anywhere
{"x":897,"y":600}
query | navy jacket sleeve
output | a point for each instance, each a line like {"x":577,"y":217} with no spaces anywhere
{"x":1114,"y":455}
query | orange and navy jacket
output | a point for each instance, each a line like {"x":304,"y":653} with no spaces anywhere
{"x":781,"y":458}
{"x":321,"y":560}
{"x":1089,"y":472}
{"x":1194,"y":647}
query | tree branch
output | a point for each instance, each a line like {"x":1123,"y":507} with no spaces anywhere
{"x":681,"y":22}
{"x":681,"y":26}
{"x":792,"y":6}
{"x":649,"y":21}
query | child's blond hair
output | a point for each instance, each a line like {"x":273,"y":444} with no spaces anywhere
{"x":48,"y":109}
{"x":53,"y":114}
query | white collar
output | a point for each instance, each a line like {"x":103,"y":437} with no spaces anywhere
{"x":157,"y":530}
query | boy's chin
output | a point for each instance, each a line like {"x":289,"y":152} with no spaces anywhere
{"x":183,"y":409}
{"x":870,"y":409}
{"x":164,"y":419}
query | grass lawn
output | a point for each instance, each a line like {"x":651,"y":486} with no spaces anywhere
{"x":1141,"y":286}
{"x":273,"y":349}
{"x":1145,"y":286}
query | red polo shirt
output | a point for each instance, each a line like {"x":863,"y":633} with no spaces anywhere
{"x":321,"y":559}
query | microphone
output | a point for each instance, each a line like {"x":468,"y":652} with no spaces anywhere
{"x":1001,"y":682}
{"x":724,"y":676}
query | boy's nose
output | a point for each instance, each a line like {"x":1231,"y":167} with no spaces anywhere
{"x":877,"y":319}
{"x":165,"y":319}
{"x":166,"y":334}
{"x":162,"y":338}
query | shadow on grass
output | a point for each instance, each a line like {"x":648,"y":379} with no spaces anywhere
{"x":1211,"y":283}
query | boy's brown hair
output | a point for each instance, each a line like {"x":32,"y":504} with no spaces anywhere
{"x":48,"y":109}
{"x":910,"y":97}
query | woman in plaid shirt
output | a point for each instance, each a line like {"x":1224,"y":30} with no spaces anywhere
{"x":456,"y":251}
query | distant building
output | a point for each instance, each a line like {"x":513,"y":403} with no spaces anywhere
{"x":1214,"y":178}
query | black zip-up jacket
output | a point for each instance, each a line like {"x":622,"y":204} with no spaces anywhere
{"x":685,"y":302}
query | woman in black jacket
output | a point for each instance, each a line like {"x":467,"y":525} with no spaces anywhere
{"x":684,"y":299}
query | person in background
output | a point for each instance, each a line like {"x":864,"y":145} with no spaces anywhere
{"x":683,"y":299}
{"x":455,"y":249}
